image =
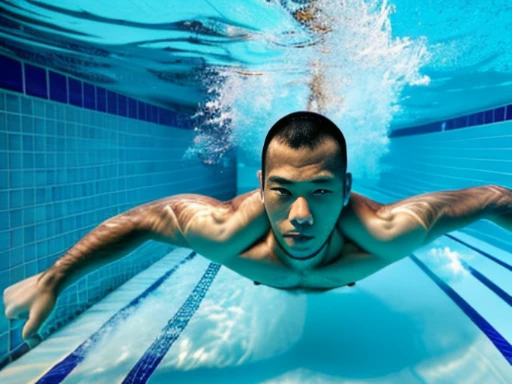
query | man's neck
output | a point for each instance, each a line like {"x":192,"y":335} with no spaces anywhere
{"x":297,"y":263}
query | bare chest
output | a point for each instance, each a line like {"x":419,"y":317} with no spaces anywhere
{"x":259,"y":264}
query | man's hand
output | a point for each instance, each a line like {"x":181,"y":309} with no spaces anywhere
{"x":33,"y":299}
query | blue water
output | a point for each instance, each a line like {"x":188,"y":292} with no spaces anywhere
{"x":441,"y":315}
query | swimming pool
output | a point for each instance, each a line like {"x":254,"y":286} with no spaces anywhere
{"x":99,"y":114}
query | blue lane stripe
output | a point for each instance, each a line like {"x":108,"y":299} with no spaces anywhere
{"x":148,"y":363}
{"x":494,"y":336}
{"x":488,"y":283}
{"x":496,"y":260}
{"x":62,"y":369}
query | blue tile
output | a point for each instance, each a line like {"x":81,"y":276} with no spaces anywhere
{"x":89,"y":96}
{"x":112,"y":102}
{"x":26,"y":106}
{"x":3,"y":159}
{"x":75,"y":92}
{"x":14,"y":142}
{"x":27,"y":124}
{"x":461,"y":122}
{"x":480,"y":118}
{"x":121,"y":103}
{"x":489,"y":116}
{"x":472,"y":120}
{"x":10,"y":75}
{"x":16,"y":198}
{"x":499,"y":114}
{"x":58,"y":87}
{"x":4,"y":220}
{"x":28,"y":143}
{"x":16,"y":217}
{"x":141,"y":110}
{"x":29,"y":234}
{"x":508,"y":114}
{"x":150,"y":113}
{"x":101,"y":99}
{"x":35,"y":81}
{"x":12,"y":103}
{"x":132,"y":108}
{"x":4,"y":200}
{"x":3,"y":141}
{"x":4,"y":262}
{"x":17,"y":237}
{"x":15,"y":160}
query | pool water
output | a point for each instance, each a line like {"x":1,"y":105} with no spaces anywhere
{"x":105,"y":106}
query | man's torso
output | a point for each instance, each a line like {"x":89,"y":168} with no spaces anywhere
{"x":344,"y":261}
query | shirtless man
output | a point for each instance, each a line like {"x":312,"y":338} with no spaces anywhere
{"x":303,"y":229}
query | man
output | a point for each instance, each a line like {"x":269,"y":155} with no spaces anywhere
{"x":302,"y":229}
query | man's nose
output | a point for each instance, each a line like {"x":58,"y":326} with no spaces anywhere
{"x":300,"y":213}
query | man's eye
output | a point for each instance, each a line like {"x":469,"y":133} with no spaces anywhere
{"x":322,"y":192}
{"x":281,"y":191}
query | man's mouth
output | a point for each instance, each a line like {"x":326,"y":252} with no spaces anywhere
{"x":299,"y":237}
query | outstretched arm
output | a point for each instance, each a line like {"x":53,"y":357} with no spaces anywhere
{"x":393,"y":231}
{"x":191,"y":221}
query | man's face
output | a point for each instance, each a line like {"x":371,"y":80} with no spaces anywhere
{"x":304,"y":191}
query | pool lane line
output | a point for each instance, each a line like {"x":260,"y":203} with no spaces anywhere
{"x":488,"y":283}
{"x":62,"y":369}
{"x":148,"y":363}
{"x":494,"y":336}
{"x":490,"y":257}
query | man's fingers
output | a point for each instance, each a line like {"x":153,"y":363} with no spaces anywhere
{"x":38,"y":314}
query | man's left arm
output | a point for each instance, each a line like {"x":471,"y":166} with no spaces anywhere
{"x":395,"y":230}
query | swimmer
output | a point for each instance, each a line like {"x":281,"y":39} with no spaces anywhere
{"x":303,"y":229}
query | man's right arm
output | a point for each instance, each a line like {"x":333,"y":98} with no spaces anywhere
{"x":189,"y":221}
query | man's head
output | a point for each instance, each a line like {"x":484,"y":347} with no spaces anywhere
{"x":303,"y":181}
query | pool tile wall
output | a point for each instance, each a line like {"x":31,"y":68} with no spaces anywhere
{"x":65,"y":167}
{"x":485,"y":117}
{"x":450,"y":160}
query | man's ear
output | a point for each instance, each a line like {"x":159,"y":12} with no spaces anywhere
{"x":348,"y":188}
{"x":261,"y":185}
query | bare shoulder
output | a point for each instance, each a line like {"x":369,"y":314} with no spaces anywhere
{"x":216,"y":229}
{"x":361,"y":221}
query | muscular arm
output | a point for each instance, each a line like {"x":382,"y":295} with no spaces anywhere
{"x":190,"y":221}
{"x":216,"y":230}
{"x":395,"y":230}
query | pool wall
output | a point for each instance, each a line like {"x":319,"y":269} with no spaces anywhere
{"x":73,"y":154}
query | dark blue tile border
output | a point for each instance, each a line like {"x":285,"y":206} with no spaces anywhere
{"x":35,"y":81}
{"x":494,"y":336}
{"x":61,"y":370}
{"x":40,"y":82}
{"x":58,"y":87}
{"x":148,"y":363}
{"x":490,"y":116}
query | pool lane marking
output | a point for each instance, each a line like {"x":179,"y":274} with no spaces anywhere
{"x":490,"y":257}
{"x":148,"y":363}
{"x":62,"y":369}
{"x":494,"y":336}
{"x":488,"y":283}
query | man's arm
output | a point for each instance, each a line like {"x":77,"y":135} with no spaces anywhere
{"x":394,"y":231}
{"x":190,"y":221}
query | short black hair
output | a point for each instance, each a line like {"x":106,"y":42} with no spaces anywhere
{"x":304,"y":129}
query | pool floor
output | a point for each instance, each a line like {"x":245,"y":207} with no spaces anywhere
{"x":204,"y":323}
